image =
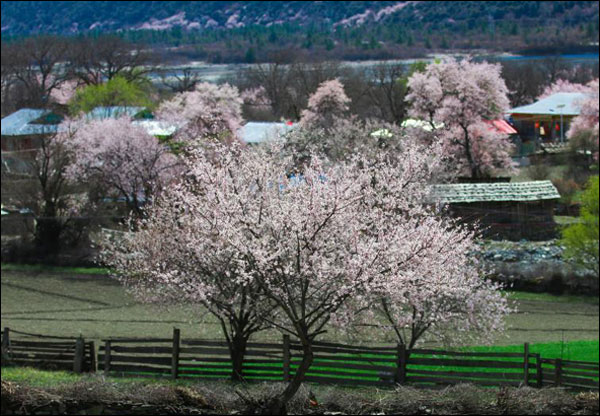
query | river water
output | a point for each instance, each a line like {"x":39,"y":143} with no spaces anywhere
{"x":218,"y":72}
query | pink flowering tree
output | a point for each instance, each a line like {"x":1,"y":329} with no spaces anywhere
{"x":208,"y":112}
{"x":460,"y":96}
{"x":328,"y":104}
{"x":583,"y":131}
{"x":122,"y":159}
{"x":562,"y":85}
{"x":309,"y":248}
{"x":176,"y":254}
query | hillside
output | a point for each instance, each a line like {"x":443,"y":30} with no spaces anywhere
{"x":248,"y":31}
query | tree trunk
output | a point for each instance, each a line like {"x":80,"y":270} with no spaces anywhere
{"x":279,"y":404}
{"x":238,"y":351}
{"x":47,"y":235}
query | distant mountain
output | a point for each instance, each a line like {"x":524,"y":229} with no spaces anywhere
{"x":68,"y":17}
{"x":350,"y":26}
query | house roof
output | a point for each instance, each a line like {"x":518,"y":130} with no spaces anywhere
{"x":259,"y":132}
{"x":156,"y":127}
{"x":421,"y":124}
{"x":100,"y":113}
{"x":565,"y":103}
{"x":502,"y":126}
{"x":20,"y":123}
{"x":493,"y":192}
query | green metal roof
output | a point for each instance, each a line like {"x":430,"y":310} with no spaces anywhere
{"x":493,"y":192}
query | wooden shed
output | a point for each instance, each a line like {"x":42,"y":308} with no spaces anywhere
{"x":504,"y":210}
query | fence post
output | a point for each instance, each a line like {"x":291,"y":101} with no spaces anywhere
{"x":286,"y":358}
{"x":5,"y":343}
{"x":540,"y":372}
{"x":558,"y":372}
{"x":526,"y":364}
{"x":92,"y":356}
{"x":175,"y":356}
{"x":79,"y":355}
{"x":400,"y":377}
{"x":106,"y":356}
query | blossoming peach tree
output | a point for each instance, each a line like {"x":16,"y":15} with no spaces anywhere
{"x":122,"y":159}
{"x":460,"y":96}
{"x":259,"y":248}
{"x":209,"y":110}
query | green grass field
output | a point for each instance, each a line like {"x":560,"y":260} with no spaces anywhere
{"x":71,"y":302}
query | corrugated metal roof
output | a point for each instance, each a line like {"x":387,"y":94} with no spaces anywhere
{"x":570,"y":101}
{"x":19,"y":123}
{"x":493,"y":192}
{"x":100,"y":113}
{"x":421,"y":124}
{"x":502,"y":126}
{"x":259,"y":132}
{"x":156,"y":127}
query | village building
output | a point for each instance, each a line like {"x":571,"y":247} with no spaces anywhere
{"x":24,"y":130}
{"x":503,"y":210}
{"x":548,"y":119}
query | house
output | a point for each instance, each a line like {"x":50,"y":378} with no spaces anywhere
{"x":504,"y":210}
{"x":23,"y":129}
{"x":256,"y":132}
{"x":548,"y":119}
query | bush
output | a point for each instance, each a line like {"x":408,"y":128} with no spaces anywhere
{"x":581,"y":239}
{"x":567,"y":188}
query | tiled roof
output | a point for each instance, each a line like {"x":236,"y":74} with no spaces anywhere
{"x":499,"y":191}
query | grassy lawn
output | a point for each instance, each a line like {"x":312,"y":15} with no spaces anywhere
{"x":41,"y":268}
{"x":60,"y":302}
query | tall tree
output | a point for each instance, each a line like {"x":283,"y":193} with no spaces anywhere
{"x":328,"y":104}
{"x":583,"y":131}
{"x":37,"y":65}
{"x":462,"y":96}
{"x":116,"y":92}
{"x":122,"y":160}
{"x":46,"y":191}
{"x":312,"y":244}
{"x":209,"y":111}
{"x":97,"y":60}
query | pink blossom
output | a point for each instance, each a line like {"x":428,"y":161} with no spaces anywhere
{"x":310,"y":249}
{"x":209,"y":111}
{"x":562,"y":85}
{"x":584,"y":127}
{"x":460,"y":95}
{"x":328,"y":103}
{"x":122,"y":158}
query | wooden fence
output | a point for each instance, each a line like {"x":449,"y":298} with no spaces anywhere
{"x":48,"y":352}
{"x":574,"y":374}
{"x":175,"y":357}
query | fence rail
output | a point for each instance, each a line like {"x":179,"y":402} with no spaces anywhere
{"x":333,"y":363}
{"x":46,"y":352}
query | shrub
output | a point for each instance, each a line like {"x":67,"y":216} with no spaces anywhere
{"x":581,"y":239}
